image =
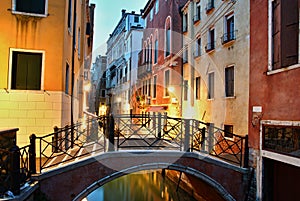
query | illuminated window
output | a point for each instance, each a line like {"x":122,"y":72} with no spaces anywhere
{"x":26,"y":70}
{"x":211,"y":85}
{"x":167,"y":82}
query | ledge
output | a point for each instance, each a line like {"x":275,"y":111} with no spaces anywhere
{"x":280,"y":70}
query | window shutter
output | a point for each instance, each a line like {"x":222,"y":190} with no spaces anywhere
{"x":34,"y":71}
{"x":289,"y":32}
{"x":21,"y":72}
{"x":276,"y":34}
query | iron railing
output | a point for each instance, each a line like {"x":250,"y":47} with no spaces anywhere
{"x":158,"y":131}
{"x":63,"y":146}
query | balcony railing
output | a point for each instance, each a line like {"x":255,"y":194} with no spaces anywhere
{"x":229,"y":36}
{"x":144,"y":70}
{"x":210,"y":46}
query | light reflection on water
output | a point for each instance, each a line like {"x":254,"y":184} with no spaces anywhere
{"x":142,"y":186}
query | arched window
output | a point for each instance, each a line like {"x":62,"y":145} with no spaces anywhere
{"x":168,"y":43}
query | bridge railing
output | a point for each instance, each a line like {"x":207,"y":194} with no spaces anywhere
{"x":70,"y":143}
{"x":157,"y":131}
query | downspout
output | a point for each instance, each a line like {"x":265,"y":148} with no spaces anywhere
{"x":73,"y":73}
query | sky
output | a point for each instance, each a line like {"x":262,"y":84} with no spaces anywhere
{"x":107,"y":16}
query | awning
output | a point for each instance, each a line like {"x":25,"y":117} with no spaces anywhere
{"x":157,"y":108}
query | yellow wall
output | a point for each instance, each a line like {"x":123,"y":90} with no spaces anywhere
{"x":38,"y":111}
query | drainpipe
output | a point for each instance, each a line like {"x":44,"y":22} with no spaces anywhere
{"x":73,"y":72}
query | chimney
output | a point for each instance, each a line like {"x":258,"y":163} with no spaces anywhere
{"x":142,"y":11}
{"x":132,"y":12}
{"x":123,"y":12}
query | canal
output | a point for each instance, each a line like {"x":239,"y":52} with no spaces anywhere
{"x":142,"y":186}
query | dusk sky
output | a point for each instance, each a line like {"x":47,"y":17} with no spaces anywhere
{"x":107,"y":16}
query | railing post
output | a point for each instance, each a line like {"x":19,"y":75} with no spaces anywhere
{"x":111,"y":137}
{"x":210,"y":137}
{"x":203,"y":133}
{"x":186,"y":135}
{"x":55,"y":140}
{"x":246,"y":153}
{"x":67,"y":137}
{"x":159,"y":125}
{"x":15,"y":170}
{"x":32,"y":154}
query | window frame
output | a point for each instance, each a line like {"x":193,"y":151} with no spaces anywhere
{"x":198,"y":88}
{"x":14,"y":11}
{"x":11,"y":50}
{"x":271,"y":69}
{"x":211,"y":86}
{"x":232,"y":82}
{"x":228,"y":131}
{"x":167,"y":82}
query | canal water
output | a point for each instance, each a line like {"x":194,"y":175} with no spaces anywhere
{"x":142,"y":186}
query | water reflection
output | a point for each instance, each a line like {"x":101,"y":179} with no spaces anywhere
{"x":142,"y":186}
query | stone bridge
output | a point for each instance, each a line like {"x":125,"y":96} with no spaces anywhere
{"x":72,"y":161}
{"x":76,"y":180}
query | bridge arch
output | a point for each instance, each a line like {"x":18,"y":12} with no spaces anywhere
{"x":157,"y":166}
{"x":75,"y":181}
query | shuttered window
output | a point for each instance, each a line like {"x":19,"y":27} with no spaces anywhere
{"x":285,"y":32}
{"x":26,"y":70}
{"x":229,"y":81}
{"x":211,"y":85}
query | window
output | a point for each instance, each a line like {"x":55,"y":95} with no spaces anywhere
{"x":154,"y":86}
{"x":103,"y":93}
{"x":198,"y":84}
{"x":168,"y":42}
{"x":211,"y":83}
{"x":67,"y":79}
{"x":197,"y":12}
{"x":229,"y":81}
{"x":156,"y":51}
{"x":210,"y":40}
{"x":185,"y":89}
{"x":167,"y":82}
{"x":156,"y":6}
{"x":70,"y":14}
{"x":185,"y":54}
{"x":79,"y":34}
{"x":26,"y":70}
{"x":149,"y":87}
{"x":210,"y":5}
{"x":151,"y":14}
{"x":184,"y":22}
{"x":229,"y":33}
{"x":32,"y":7}
{"x":285,"y":33}
{"x":197,"y":47}
{"x":228,"y":131}
{"x":168,"y":37}
{"x":136,"y":19}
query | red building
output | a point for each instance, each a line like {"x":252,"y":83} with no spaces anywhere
{"x":160,"y":69}
{"x":274,"y":105}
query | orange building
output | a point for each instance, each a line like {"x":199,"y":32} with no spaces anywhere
{"x":40,"y":71}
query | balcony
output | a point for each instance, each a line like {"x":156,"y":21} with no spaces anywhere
{"x":210,"y":47}
{"x":144,"y":70}
{"x":227,"y":37}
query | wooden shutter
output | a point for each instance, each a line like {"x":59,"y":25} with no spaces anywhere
{"x":276,"y":34}
{"x":289,"y":32}
{"x":34,"y":71}
{"x":21,"y":72}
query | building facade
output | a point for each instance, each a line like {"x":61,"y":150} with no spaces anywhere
{"x":98,"y":87}
{"x":40,"y":72}
{"x":159,"y":71}
{"x":120,"y":51}
{"x":216,"y":63}
{"x":274,"y":128}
